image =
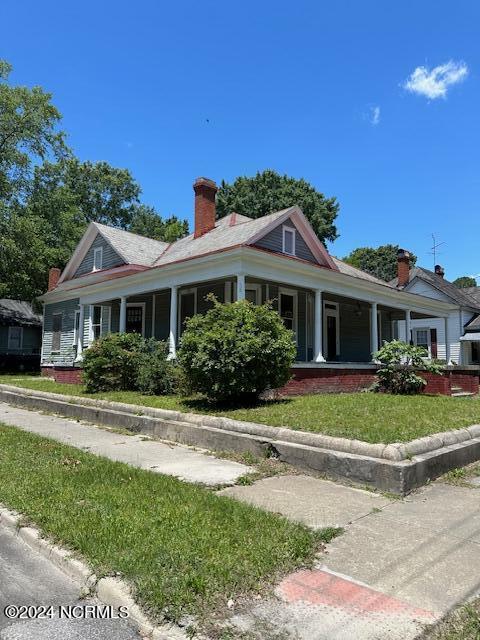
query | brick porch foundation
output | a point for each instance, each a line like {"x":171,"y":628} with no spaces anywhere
{"x":345,"y":380}
{"x":69,"y":375}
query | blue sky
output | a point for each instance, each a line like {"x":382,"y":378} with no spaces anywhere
{"x":312,"y":89}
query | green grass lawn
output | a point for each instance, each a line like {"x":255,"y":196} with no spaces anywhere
{"x":364,"y":416}
{"x":462,"y":624}
{"x":185,"y":549}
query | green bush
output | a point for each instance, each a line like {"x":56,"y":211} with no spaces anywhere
{"x":401,"y":362}
{"x":236,"y":351}
{"x":127,"y":362}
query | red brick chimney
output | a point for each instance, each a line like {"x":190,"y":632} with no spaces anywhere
{"x":439,"y":270}
{"x":205,"y":191}
{"x":53,"y":277}
{"x":403,"y":267}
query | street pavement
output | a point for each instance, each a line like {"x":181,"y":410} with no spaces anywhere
{"x":27,"y":578}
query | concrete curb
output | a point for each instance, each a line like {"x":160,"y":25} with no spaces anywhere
{"x":110,"y":591}
{"x":396,"y":451}
{"x":398,"y":468}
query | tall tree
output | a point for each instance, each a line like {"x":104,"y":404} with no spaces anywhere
{"x":268,"y":192}
{"x":147,"y":222}
{"x":465,"y":281}
{"x":28,"y":133}
{"x":380,"y":262}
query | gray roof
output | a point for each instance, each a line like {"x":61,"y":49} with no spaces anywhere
{"x":133,"y":248}
{"x":474,"y":324}
{"x":349,"y":270}
{"x":441,"y":284}
{"x":18,"y":312}
{"x":230,"y":231}
{"x":473,"y":293}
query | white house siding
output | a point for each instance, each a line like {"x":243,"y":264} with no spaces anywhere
{"x":66,"y":354}
{"x":455,"y":329}
{"x":422,"y":288}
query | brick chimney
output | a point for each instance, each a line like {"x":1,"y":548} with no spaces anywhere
{"x":439,"y":270}
{"x":403,"y":267}
{"x":205,"y":191}
{"x":53,"y":277}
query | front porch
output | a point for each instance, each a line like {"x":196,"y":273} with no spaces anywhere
{"x":332,"y":331}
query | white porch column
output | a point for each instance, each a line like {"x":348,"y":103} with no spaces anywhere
{"x":408,"y":327}
{"x":123,"y":315}
{"x":448,"y":355}
{"x":172,"y":337}
{"x":318,"y":325}
{"x":373,"y":328}
{"x":81,"y":323}
{"x":241,"y":286}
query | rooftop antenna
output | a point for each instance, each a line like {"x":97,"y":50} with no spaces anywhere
{"x":434,"y":251}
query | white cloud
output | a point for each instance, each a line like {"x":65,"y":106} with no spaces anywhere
{"x":435,"y":83}
{"x":374,"y":115}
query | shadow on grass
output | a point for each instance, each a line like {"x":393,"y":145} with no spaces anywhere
{"x":203,"y":404}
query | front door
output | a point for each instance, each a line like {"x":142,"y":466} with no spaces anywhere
{"x":134,"y":319}
{"x":331,"y":337}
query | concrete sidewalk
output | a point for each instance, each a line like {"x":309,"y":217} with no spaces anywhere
{"x":399,"y":565}
{"x":170,"y":459}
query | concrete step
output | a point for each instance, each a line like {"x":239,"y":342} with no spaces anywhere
{"x":461,"y":394}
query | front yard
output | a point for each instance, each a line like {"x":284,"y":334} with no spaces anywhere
{"x":186,"y":550}
{"x":363,"y":416}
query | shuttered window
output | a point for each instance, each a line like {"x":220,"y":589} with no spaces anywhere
{"x":56,"y":331}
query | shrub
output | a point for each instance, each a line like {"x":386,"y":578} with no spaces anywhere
{"x":156,"y":374}
{"x":127,"y":362}
{"x":400,"y":362}
{"x":236,"y":351}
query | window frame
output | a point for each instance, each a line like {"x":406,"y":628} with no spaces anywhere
{"x":97,"y":324}
{"x":95,"y":267}
{"x":9,"y":347}
{"x":285,"y":230}
{"x":415,"y":331}
{"x":253,"y":286}
{"x":294,"y":294}
{"x":331,"y":309}
{"x":143,"y":306}
{"x":76,"y":327}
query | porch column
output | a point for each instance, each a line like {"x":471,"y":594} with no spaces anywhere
{"x":408,"y":328}
{"x":241,"y":286}
{"x":448,"y":354}
{"x":318,"y":324}
{"x":373,"y":328}
{"x":81,"y":322}
{"x":172,"y":337}
{"x":123,"y":315}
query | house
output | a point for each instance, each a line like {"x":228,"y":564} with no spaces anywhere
{"x":457,"y":342}
{"x":20,"y":336}
{"x":119,"y":281}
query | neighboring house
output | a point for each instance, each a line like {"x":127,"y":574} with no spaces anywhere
{"x":463,"y":328}
{"x":20,"y":336}
{"x":119,"y":281}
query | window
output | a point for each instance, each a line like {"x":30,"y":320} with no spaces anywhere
{"x":96,"y":322}
{"x":289,"y":240}
{"x":287,"y":307}
{"x":135,"y":318}
{"x":253,"y":293}
{"x":475,"y":352}
{"x":421,"y":338}
{"x":15,"y":338}
{"x":97,"y":258}
{"x":56,"y":331}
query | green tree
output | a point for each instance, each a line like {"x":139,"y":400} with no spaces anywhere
{"x":28,"y":133}
{"x":147,"y":222}
{"x":268,"y":192}
{"x":380,"y":262}
{"x":465,"y":281}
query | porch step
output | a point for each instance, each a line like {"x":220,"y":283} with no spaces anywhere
{"x":461,"y":394}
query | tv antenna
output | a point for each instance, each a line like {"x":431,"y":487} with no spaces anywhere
{"x":434,"y":249}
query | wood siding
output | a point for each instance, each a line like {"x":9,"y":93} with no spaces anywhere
{"x":66,"y":353}
{"x":110,"y":257}
{"x":273,"y":241}
{"x":31,"y":340}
